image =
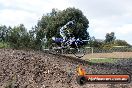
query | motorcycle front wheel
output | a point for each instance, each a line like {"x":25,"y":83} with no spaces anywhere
{"x":79,"y":52}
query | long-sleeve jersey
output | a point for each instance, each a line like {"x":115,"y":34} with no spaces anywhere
{"x":63,"y":29}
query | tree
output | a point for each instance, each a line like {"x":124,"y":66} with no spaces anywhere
{"x":3,"y":33}
{"x":110,"y":37}
{"x":81,"y":22}
{"x":50,"y":24}
{"x":18,"y":37}
{"x":119,"y":42}
{"x":93,"y":42}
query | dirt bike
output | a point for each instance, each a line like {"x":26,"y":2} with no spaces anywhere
{"x":75,"y":46}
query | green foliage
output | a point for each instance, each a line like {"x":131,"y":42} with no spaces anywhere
{"x":4,"y":33}
{"x":108,"y":43}
{"x":110,"y":37}
{"x":119,"y":42}
{"x":15,"y":35}
{"x":19,"y":38}
{"x":95,"y":42}
{"x":107,"y":46}
{"x":80,"y":29}
{"x":4,"y":45}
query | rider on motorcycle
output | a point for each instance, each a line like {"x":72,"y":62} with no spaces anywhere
{"x":65,"y":32}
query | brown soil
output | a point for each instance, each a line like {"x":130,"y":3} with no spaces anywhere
{"x":34,"y":69}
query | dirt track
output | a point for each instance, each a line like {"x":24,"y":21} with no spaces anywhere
{"x":109,"y":55}
{"x":33,"y":69}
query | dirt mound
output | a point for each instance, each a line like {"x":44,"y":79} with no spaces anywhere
{"x":34,"y":69}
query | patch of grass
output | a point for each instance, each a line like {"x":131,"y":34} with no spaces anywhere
{"x":103,"y":60}
{"x":4,"y":45}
